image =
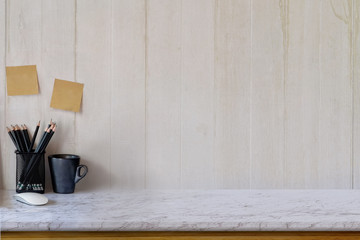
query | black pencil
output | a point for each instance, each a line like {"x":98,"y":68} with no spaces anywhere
{"x":27,"y":138}
{"x":28,"y":174}
{"x":19,"y":138}
{"x":23,"y":134}
{"x":47,"y":140}
{"x":14,"y":136}
{"x":13,"y":139}
{"x":35,"y":158}
{"x":41,"y":142}
{"x":39,"y":146}
{"x":34,"y":137}
{"x":50,"y":124}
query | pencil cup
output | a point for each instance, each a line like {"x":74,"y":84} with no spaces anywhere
{"x":65,"y":172}
{"x":30,"y":172}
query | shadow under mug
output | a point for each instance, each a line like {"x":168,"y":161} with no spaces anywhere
{"x":65,"y":172}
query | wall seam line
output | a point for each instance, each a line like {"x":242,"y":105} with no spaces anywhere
{"x":251,"y":93}
{"x":353,"y":50}
{"x":2,"y":180}
{"x":111,"y":84}
{"x":181,"y":93}
{"x":7,"y":23}
{"x":145,"y":90}
{"x":320,"y":97}
{"x":75,"y":66}
{"x":215,"y":4}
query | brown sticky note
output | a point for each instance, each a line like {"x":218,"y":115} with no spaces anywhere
{"x":67,"y":95}
{"x":22,"y":80}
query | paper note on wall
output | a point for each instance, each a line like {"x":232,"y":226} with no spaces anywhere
{"x":22,"y":80}
{"x":67,"y":95}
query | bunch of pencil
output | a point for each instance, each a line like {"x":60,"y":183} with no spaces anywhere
{"x":20,"y":137}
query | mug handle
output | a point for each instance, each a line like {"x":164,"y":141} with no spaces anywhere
{"x":78,"y":177}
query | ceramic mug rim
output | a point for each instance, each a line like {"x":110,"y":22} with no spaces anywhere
{"x":64,"y":156}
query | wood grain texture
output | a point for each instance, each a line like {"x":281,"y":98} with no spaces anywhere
{"x":58,"y":61}
{"x":163,"y":94}
{"x":3,"y":133}
{"x":335,"y":126}
{"x":302,"y":103}
{"x":267,"y":96}
{"x":23,"y":47}
{"x":232,"y":93}
{"x":356,"y":94}
{"x":128,"y":95}
{"x":93,"y":68}
{"x":192,"y":94}
{"x":197,"y":94}
{"x":58,"y":57}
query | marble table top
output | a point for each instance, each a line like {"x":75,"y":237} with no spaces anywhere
{"x":187,"y":210}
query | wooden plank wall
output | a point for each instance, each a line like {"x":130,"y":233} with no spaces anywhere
{"x":163,"y":94}
{"x":128,"y":94}
{"x":192,"y":94}
{"x":3,"y":90}
{"x":356,"y":94}
{"x":232,"y":100}
{"x":23,"y":47}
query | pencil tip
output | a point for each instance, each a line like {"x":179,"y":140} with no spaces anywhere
{"x":38,"y":123}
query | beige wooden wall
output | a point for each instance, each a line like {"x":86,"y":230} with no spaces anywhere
{"x":192,"y":93}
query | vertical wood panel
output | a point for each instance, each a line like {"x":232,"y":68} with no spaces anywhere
{"x":267,"y":98}
{"x":23,"y":47}
{"x":192,"y":94}
{"x":93,"y":68}
{"x":163,"y":94}
{"x":356,"y":92}
{"x":232,"y":93}
{"x":197,"y":111}
{"x":303,"y":95}
{"x":58,"y":61}
{"x":128,"y":95}
{"x":335,"y":96}
{"x":3,"y":133}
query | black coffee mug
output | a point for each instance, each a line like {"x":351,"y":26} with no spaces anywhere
{"x":65,"y":172}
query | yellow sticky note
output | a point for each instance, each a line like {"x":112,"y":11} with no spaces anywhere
{"x":67,"y":95}
{"x":22,"y":80}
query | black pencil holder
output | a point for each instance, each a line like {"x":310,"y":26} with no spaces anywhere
{"x":30,"y":172}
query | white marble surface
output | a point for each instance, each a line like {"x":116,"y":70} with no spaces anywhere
{"x":202,"y":210}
